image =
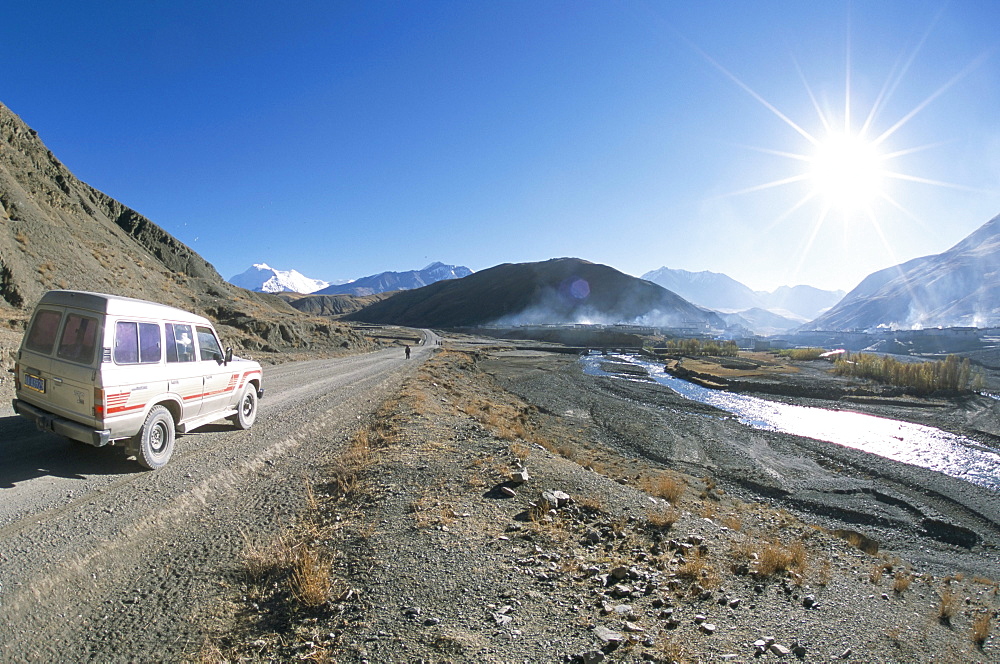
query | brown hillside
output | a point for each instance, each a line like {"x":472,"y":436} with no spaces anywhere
{"x":333,"y":305}
{"x":59,"y":232}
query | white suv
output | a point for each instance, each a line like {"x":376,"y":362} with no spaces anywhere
{"x":103,"y":369}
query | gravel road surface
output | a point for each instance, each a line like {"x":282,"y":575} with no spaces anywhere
{"x":103,"y":561}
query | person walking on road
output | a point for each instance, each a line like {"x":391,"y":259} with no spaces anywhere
{"x":407,"y":351}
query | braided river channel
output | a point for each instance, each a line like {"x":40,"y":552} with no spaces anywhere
{"x":951,"y":454}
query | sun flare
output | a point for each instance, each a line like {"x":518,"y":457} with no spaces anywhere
{"x":846,"y":170}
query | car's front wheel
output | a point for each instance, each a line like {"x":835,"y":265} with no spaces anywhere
{"x":156,"y":440}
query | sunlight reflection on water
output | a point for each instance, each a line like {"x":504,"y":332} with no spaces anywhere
{"x":915,"y":444}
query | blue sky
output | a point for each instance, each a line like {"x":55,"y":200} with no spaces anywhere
{"x":347,"y":138}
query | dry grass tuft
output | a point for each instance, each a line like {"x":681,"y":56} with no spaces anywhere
{"x":662,"y":516}
{"x":981,"y":628}
{"x":948,"y":606}
{"x":672,"y":649}
{"x":311,"y":581}
{"x":776,"y":557}
{"x":520,"y":451}
{"x":260,"y":561}
{"x":665,"y":485}
{"x":902,"y":580}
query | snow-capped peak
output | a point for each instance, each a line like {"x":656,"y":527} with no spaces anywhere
{"x":263,"y":278}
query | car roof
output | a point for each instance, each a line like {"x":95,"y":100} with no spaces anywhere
{"x":116,"y":305}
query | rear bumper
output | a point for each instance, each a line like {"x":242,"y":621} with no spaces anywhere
{"x":46,"y":421}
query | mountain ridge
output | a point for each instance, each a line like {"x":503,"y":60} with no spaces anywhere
{"x":263,"y":278}
{"x":721,"y":292}
{"x":557,"y":291}
{"x":384,"y":282}
{"x":959,"y":287}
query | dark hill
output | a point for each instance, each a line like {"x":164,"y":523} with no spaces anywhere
{"x":332,"y":305}
{"x":562,"y":290}
{"x":58,"y":232}
{"x":959,"y":287}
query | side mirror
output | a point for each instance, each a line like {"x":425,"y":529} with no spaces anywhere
{"x":229,"y":355}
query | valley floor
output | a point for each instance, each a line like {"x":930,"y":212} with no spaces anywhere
{"x":504,"y":507}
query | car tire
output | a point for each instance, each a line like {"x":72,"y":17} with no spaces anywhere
{"x":246,"y":409}
{"x":156,"y":440}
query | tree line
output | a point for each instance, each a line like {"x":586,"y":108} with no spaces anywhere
{"x":950,"y":375}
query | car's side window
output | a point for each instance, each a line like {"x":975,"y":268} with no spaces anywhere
{"x":208,"y":344}
{"x":137,"y":343}
{"x":42,"y":336}
{"x":79,"y":339}
{"x":180,"y":343}
{"x":126,"y":343}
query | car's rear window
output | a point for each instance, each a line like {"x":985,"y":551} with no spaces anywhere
{"x":79,"y":339}
{"x":42,"y":335}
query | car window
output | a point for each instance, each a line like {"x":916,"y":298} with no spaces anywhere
{"x":180,"y":343}
{"x":79,"y":339}
{"x":42,"y":336}
{"x":126,"y":343}
{"x":208,"y":344}
{"x":137,"y":343}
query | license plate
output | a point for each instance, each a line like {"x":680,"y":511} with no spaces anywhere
{"x":34,"y":383}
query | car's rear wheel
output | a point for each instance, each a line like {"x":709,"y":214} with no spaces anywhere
{"x":246,"y":411}
{"x":156,"y":440}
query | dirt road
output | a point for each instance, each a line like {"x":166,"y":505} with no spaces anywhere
{"x":102,"y":561}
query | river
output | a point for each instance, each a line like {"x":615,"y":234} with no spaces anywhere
{"x":915,"y":444}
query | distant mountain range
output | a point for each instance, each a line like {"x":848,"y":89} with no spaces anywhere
{"x":797,"y":304}
{"x":263,"y":278}
{"x":959,"y":287}
{"x":392,"y":281}
{"x":558,"y":291}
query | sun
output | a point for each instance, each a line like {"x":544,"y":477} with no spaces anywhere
{"x":846,"y":171}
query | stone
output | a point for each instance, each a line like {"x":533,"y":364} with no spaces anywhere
{"x":520,"y":476}
{"x":780,"y":650}
{"x":621,"y":590}
{"x":502,"y":619}
{"x":619,"y":573}
{"x":507,"y":491}
{"x":809,"y":602}
{"x":592,"y":657}
{"x":734,"y":604}
{"x":610,"y":637}
{"x":708,"y":628}
{"x":632,"y":627}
